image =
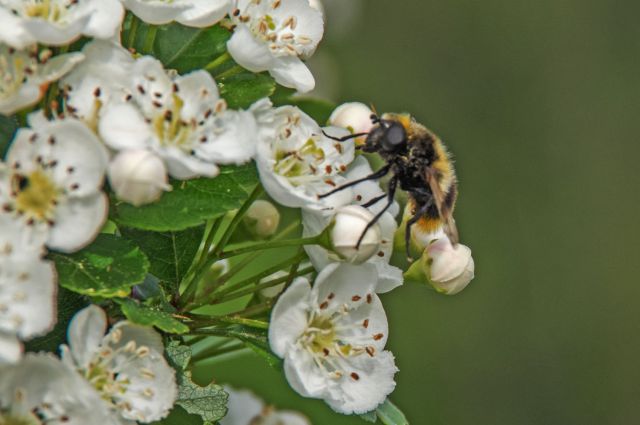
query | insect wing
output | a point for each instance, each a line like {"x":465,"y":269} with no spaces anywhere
{"x":448,"y":223}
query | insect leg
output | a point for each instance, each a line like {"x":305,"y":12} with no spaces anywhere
{"x":393,"y":184}
{"x":345,"y":138}
{"x":374,"y":200}
{"x":378,"y":174}
{"x":413,"y":220}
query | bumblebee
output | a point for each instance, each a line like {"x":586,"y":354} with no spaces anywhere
{"x":420,"y":165}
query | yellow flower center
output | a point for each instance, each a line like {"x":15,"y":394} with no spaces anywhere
{"x":36,"y":195}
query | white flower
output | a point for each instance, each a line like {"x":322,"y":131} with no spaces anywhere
{"x":354,"y":116}
{"x":182,"y":120}
{"x":274,"y":36}
{"x":104,"y":76}
{"x":25,"y":74}
{"x":332,"y":338}
{"x":192,"y":13}
{"x":40,"y":390}
{"x":262,"y":218}
{"x":126,"y":366}
{"x":348,"y":236}
{"x":450,"y":269}
{"x":54,"y":181}
{"x":245,"y":408}
{"x":314,"y":222}
{"x":138,"y":176}
{"x":297,"y":162}
{"x":27,"y":287}
{"x":57,"y":22}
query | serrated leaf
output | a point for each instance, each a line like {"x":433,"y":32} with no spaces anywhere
{"x":8,"y":127}
{"x":371,"y":417}
{"x":209,"y":402}
{"x":245,"y":88}
{"x":191,"y":202}
{"x":170,"y":253}
{"x":107,"y":268}
{"x":179,"y":416}
{"x":151,"y":316}
{"x":389,"y":414}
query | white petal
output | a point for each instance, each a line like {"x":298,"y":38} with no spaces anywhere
{"x":375,"y":382}
{"x":345,"y":281}
{"x":106,"y":19}
{"x":243,"y":406}
{"x":77,"y":222}
{"x":292,"y":72}
{"x":29,"y":94}
{"x":10,"y":349}
{"x":204,"y":13}
{"x":150,"y":85}
{"x":304,"y":375}
{"x":12,"y":32}
{"x":289,"y":317}
{"x":85,"y":334}
{"x":199,"y":92}
{"x":288,"y":418}
{"x":155,"y":12}
{"x":237,"y":143}
{"x":54,"y":35}
{"x":142,"y":335}
{"x":248,"y":52}
{"x":183,"y":166}
{"x":59,"y":65}
{"x":123,"y":127}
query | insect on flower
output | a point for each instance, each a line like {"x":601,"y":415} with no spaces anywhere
{"x":421,"y":166}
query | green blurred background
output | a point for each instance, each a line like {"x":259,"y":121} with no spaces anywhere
{"x":540,"y":103}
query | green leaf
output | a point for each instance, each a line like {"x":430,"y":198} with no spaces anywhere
{"x":389,"y":414}
{"x":209,"y":402}
{"x":151,"y":316}
{"x":191,"y":202}
{"x":243,"y":89}
{"x":8,"y":127}
{"x":170,"y":253}
{"x":69,"y":303}
{"x":179,"y":416}
{"x":108,"y":268}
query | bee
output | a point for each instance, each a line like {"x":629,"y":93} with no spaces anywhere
{"x":420,"y":165}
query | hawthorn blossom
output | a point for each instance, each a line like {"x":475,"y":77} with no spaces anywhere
{"x":275,"y":36}
{"x":25,"y":75}
{"x":192,"y":13}
{"x":54,"y":179}
{"x":126,"y":366}
{"x":332,"y":338}
{"x":57,"y":22}
{"x":354,"y":116}
{"x":449,"y":269}
{"x":138,"y":176}
{"x":315,"y":221}
{"x":183,"y":120}
{"x":103,"y":77}
{"x":297,"y":162}
{"x":245,"y":408}
{"x":40,"y":390}
{"x":27,"y":287}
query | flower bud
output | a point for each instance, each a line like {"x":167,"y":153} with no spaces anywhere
{"x":262,"y":219}
{"x":354,"y":116}
{"x":317,"y":4}
{"x":138,"y":176}
{"x":346,"y":229}
{"x":450,"y":269}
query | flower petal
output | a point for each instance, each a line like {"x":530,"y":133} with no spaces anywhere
{"x":248,"y":52}
{"x":106,"y":19}
{"x":123,"y":127}
{"x":289,"y":317}
{"x":204,"y":13}
{"x":291,"y":72}
{"x":85,"y":334}
{"x":10,"y":349}
{"x":78,"y":221}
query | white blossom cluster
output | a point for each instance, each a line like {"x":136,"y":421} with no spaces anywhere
{"x":129,"y":121}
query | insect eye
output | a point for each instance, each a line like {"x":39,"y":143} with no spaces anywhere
{"x":395,"y":136}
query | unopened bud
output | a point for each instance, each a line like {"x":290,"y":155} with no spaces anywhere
{"x":262,"y":219}
{"x":347,"y":228}
{"x":138,"y":176}
{"x":317,"y":4}
{"x":449,"y":268}
{"x":354,"y":116}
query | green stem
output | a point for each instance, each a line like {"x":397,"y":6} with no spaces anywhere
{"x":237,"y":69}
{"x":150,"y":38}
{"x":220,"y":246}
{"x":208,"y":321}
{"x":261,"y":286}
{"x":223,"y":58}
{"x":313,"y":240}
{"x":206,"y":355}
{"x":133,"y":30}
{"x":194,"y":341}
{"x":256,"y":310}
